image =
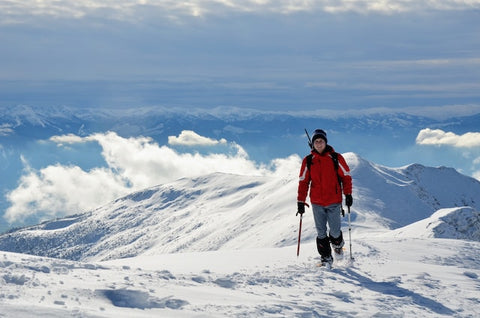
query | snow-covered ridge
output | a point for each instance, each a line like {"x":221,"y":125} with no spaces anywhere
{"x":411,"y":193}
{"x":453,"y":223}
{"x":225,"y":211}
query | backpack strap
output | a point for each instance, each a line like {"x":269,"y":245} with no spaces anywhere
{"x":335,"y":164}
{"x":334,"y":156}
{"x":309,"y":161}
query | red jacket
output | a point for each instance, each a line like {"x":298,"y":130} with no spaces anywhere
{"x":322,"y":179}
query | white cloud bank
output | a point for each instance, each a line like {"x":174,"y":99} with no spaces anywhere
{"x":468,"y":142}
{"x":438,"y":137}
{"x":131,"y":164}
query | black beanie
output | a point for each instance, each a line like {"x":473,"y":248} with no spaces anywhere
{"x":319,"y":133}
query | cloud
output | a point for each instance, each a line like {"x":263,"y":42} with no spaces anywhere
{"x":145,"y":163}
{"x":190,"y":138}
{"x":476,"y":170}
{"x":476,"y":175}
{"x":131,"y":164}
{"x":469,"y":143}
{"x":6,"y":129}
{"x":127,"y":10}
{"x":61,"y":190}
{"x":438,"y":137}
{"x":68,"y":139}
{"x":295,"y":60}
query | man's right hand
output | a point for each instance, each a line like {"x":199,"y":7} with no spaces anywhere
{"x":300,"y":208}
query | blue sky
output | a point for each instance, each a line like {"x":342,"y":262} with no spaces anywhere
{"x":329,"y":58}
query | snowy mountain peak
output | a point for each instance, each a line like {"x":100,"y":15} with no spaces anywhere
{"x":407,"y":194}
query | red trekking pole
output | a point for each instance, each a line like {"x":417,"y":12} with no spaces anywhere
{"x":299,"y":234}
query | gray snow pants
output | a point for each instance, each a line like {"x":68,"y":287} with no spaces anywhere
{"x":330,"y":215}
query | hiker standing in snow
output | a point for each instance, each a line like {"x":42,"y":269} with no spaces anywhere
{"x":319,"y":174}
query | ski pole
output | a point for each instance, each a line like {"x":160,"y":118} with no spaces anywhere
{"x":350,"y":233}
{"x":299,"y":234}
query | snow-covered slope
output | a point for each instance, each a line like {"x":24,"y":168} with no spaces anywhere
{"x":231,"y":212}
{"x":206,"y":213}
{"x":390,"y":277}
{"x":408,"y":194}
{"x":454,"y":223}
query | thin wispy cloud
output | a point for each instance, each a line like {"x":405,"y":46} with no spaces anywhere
{"x":449,"y":89}
{"x":69,"y":139}
{"x":16,"y":11}
{"x":6,"y":129}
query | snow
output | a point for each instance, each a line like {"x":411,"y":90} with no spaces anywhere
{"x":459,"y":223}
{"x":409,"y":277}
{"x":224,"y":245}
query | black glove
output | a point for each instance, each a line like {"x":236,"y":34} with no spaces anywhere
{"x":348,"y":200}
{"x":301,"y":208}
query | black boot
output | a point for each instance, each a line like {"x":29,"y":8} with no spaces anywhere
{"x":337,"y":244}
{"x":323,"y":247}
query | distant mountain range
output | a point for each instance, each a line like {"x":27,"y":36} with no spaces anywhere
{"x":154,"y":121}
{"x":224,"y":211}
{"x":263,"y":133}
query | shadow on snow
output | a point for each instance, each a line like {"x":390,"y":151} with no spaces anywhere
{"x":391,"y":288}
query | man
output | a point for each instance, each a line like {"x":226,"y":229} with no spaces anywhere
{"x":325,"y":176}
